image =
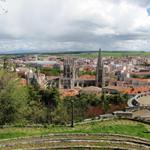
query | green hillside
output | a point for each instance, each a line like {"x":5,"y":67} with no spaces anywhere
{"x":126,"y":127}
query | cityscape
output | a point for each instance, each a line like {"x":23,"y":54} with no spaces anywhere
{"x":78,"y":81}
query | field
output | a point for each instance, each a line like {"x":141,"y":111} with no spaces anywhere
{"x":113,"y":54}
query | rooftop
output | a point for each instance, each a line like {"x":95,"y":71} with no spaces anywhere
{"x":91,"y":89}
{"x":68,"y":92}
{"x":139,"y":79}
{"x":87,"y":77}
{"x":130,"y":90}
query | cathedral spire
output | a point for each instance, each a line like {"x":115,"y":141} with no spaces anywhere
{"x":99,"y":62}
{"x":99,"y":70}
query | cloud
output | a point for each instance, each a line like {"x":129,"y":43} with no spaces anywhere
{"x":75,"y":25}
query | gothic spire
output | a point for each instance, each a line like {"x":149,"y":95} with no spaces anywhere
{"x":99,"y":58}
{"x":99,"y":70}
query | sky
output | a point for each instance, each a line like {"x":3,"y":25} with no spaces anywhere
{"x":74,"y":25}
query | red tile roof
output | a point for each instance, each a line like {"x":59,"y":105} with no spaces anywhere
{"x":68,"y":92}
{"x":130,"y":90}
{"x":139,"y":79}
{"x":87,"y":77}
{"x":23,"y":82}
{"x":136,"y":90}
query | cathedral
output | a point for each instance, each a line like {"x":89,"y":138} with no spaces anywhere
{"x":70,"y":78}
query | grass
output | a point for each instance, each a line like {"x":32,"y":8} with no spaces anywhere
{"x":125,"y":127}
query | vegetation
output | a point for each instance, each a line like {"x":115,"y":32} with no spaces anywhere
{"x":141,"y":76}
{"x":50,"y":71}
{"x":113,"y":54}
{"x":13,"y":99}
{"x":23,"y":104}
{"x":125,"y":127}
{"x":31,"y":105}
{"x":81,"y":103}
{"x":91,"y":105}
{"x":87,"y":73}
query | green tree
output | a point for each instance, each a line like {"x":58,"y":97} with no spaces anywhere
{"x":60,"y":115}
{"x":13,"y":99}
{"x":50,"y":98}
{"x":82,"y":102}
{"x":36,"y":111}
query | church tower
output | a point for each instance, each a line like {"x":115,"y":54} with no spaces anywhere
{"x":100,"y":71}
{"x":69,"y":73}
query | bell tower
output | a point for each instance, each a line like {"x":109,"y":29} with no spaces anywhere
{"x":69,"y":73}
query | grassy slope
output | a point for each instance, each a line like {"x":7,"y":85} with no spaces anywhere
{"x":126,"y":127}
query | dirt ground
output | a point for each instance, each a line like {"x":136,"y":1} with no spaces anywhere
{"x":144,"y":101}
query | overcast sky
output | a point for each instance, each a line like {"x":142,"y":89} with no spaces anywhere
{"x":63,"y":25}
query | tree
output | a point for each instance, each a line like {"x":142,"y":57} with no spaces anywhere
{"x":82,"y":103}
{"x":60,"y":115}
{"x":13,"y":99}
{"x":50,"y":98}
{"x":5,"y":63}
{"x":36,"y":111}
